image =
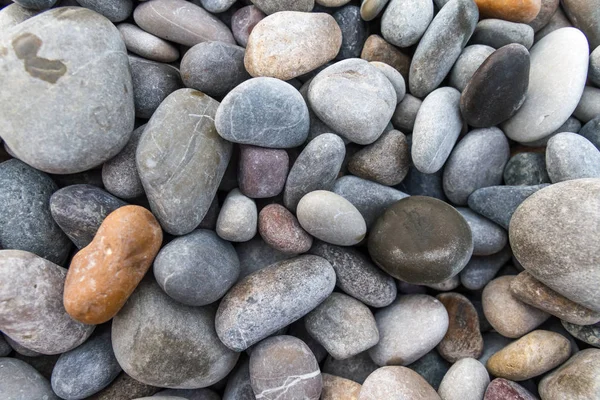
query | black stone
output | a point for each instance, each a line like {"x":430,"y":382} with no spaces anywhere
{"x":354,"y":31}
{"x":526,"y":169}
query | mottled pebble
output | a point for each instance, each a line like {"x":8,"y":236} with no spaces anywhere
{"x":281,"y":230}
{"x":468,"y":62}
{"x":526,"y":169}
{"x":571,"y":156}
{"x":463,"y":338}
{"x":20,"y":381}
{"x":589,"y":334}
{"x":354,"y":31}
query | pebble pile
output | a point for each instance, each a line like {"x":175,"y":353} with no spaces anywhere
{"x":300,"y":200}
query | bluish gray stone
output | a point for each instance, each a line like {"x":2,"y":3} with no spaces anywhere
{"x":405,"y":21}
{"x":120,"y":175}
{"x":298,"y":329}
{"x":406,"y":113}
{"x":356,"y":368}
{"x":354,"y":31}
{"x":482,"y":269}
{"x":238,"y":218}
{"x":589,"y":104}
{"x":20,"y":381}
{"x":256,"y":254}
{"x":238,"y":384}
{"x":594,"y":69}
{"x":591,"y":131}
{"x":418,"y":183}
{"x":571,"y":156}
{"x":114,"y":10}
{"x":488,"y":238}
{"x":526,"y":169}
{"x":432,"y":367}
{"x":468,"y":62}
{"x":497,"y":33}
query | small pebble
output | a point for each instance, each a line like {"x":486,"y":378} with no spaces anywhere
{"x":463,"y":338}
{"x":498,"y":32}
{"x":125,"y":388}
{"x":432,"y":367}
{"x":502,"y":389}
{"x":591,"y":131}
{"x":370,"y":9}
{"x":488,"y":238}
{"x":594,"y":69}
{"x":482,"y":269}
{"x":256,"y":254}
{"x":281,"y":230}
{"x":406,"y":112}
{"x":589,"y":104}
{"x":404,"y":21}
{"x":466,"y":379}
{"x":526,"y":169}
{"x":114,"y":10}
{"x":493,"y":343}
{"x":262,"y":172}
{"x":571,"y":156}
{"x":396,"y":382}
{"x":120,"y":175}
{"x":147,"y":45}
{"x":377,"y":49}
{"x":243,"y":21}
{"x":238,"y":218}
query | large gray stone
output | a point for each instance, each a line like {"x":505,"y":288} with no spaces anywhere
{"x":571,"y":156}
{"x":20,"y":381}
{"x":405,"y":21}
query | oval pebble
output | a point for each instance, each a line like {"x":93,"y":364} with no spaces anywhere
{"x":243,"y":22}
{"x":396,"y":382}
{"x":114,"y":10}
{"x":497,"y":33}
{"x":120,"y":175}
{"x":20,"y":381}
{"x":511,"y":10}
{"x":526,"y":169}
{"x":463,"y":338}
{"x":488,"y":238}
{"x":404,"y":21}
{"x":480,"y":270}
{"x":468,"y":62}
{"x":238,"y":218}
{"x":571,"y":156}
{"x":466,"y":379}
{"x":501,"y":389}
{"x":281,"y":230}
{"x":576,"y":379}
{"x":406,"y":112}
{"x":146,"y":44}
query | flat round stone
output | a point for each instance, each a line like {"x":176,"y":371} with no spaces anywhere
{"x":571,"y":156}
{"x":146,"y":44}
{"x":281,"y":230}
{"x":398,"y":382}
{"x":405,"y":21}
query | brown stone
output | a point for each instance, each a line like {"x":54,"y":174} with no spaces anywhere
{"x":262,"y":171}
{"x":577,"y":379}
{"x":463,"y":338}
{"x":103,"y":274}
{"x":509,"y":10}
{"x":377,"y":49}
{"x":282,"y":231}
{"x":503,"y":389}
{"x":124,"y":388}
{"x":336,"y":388}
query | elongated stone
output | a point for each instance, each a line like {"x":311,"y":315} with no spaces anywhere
{"x":404,"y":22}
{"x":281,"y":230}
{"x":488,"y":238}
{"x":498,"y":33}
{"x":517,"y":11}
{"x":146,"y":44}
{"x":463,"y":338}
{"x":576,"y":379}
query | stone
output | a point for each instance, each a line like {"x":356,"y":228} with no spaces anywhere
{"x":335,"y":388}
{"x":36,"y":4}
{"x":238,"y":219}
{"x":107,"y":118}
{"x":497,"y":33}
{"x":556,"y":81}
{"x":21,"y":350}
{"x":526,"y":169}
{"x":377,"y":49}
{"x":271,"y":299}
{"x":594,"y":68}
{"x":482,"y":269}
{"x":5,"y":347}
{"x":557,"y":21}
{"x":26,"y":221}
{"x":589,"y":334}
{"x":560,"y":223}
{"x":468,"y":62}
{"x":394,"y":77}
{"x":588,"y":107}
{"x":35,"y":316}
{"x":432,"y":367}
{"x":408,"y":329}
{"x":547,"y":10}
{"x":186,"y":394}
{"x":120,"y":175}
{"x":421,"y":240}
{"x":406,"y":112}
{"x":243,"y":22}
{"x":281,"y":230}
{"x":13,"y":14}
{"x":216,"y":6}
{"x":477,"y":161}
{"x":87,"y":369}
{"x":181,"y":22}
{"x":576,"y":379}
{"x":509,"y":316}
{"x":20,"y":381}
{"x":530,"y":356}
{"x":283,"y":127}
{"x":146,"y":44}
{"x":356,"y":368}
{"x":591,"y":131}
{"x":256,"y":254}
{"x":493,"y":343}
{"x":447,"y":285}
{"x":214,"y":68}
{"x":238,"y":383}
{"x":498,"y":88}
{"x":488,"y":238}
{"x":298,"y":329}
{"x":354,"y":98}
{"x":272,"y":6}
{"x":354,"y":31}
{"x":463,"y":338}
{"x":370,"y":9}
{"x":124,"y":388}
{"x":404,"y":22}
{"x":437,"y":127}
{"x":343,"y":325}
{"x":418,"y":183}
{"x":516,"y":11}
{"x":466,"y":379}
{"x":262,"y":172}
{"x":386,"y":161}
{"x":91,"y":177}
{"x":434,"y":57}
{"x":501,"y":389}
{"x":317,"y":167}
{"x":584,"y":16}
{"x":114,"y":10}
{"x":180,"y":140}
{"x":533,"y":292}
{"x":80,"y":209}
{"x":398,"y":383}
{"x":283,"y":367}
{"x":153,"y":349}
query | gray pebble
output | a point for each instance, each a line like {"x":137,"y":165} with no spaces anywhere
{"x":572,"y":124}
{"x":417,"y":183}
{"x":395,"y":79}
{"x":22,"y":350}
{"x":468,"y":62}
{"x":356,"y":368}
{"x":186,"y":394}
{"x":558,"y":20}
{"x":20,"y":381}
{"x":497,"y":33}
{"x":589,"y":334}
{"x":36,"y":4}
{"x":256,"y":254}
{"x":243,"y":21}
{"x":146,"y":44}
{"x":526,"y":169}
{"x":114,"y":10}
{"x":120,"y":175}
{"x":594,"y":69}
{"x":216,"y":6}
{"x":482,"y":269}
{"x":273,"y":6}
{"x":238,"y":219}
{"x":406,"y":112}
{"x":488,"y":238}
{"x":405,"y":21}
{"x":13,"y":14}
{"x":5,"y":348}
{"x":591,"y":131}
{"x":548,"y":9}
{"x":571,"y":156}
{"x":432,"y":367}
{"x":354,"y":31}
{"x":589,"y":104}
{"x":466,"y":379}
{"x":238,"y":384}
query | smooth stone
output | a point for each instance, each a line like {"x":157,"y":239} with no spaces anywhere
{"x":238,"y":219}
{"x":146,"y":44}
{"x":417,"y":183}
{"x":557,"y":21}
{"x":277,"y":44}
{"x":480,"y":270}
{"x":214,"y":68}
{"x":526,"y":169}
{"x":533,"y":292}
{"x":5,"y":347}
{"x":421,"y":240}
{"x":556,"y":325}
{"x":498,"y":88}
{"x":404,"y":21}
{"x":441,"y":46}
{"x":577,"y":379}
{"x":26,"y":221}
{"x":466,"y":379}
{"x":114,"y":10}
{"x":509,"y":316}
{"x":370,"y":198}
{"x":468,"y":62}
{"x":547,"y":10}
{"x":262,"y":172}
{"x":271,"y":299}
{"x":394,"y":77}
{"x":493,"y":342}
{"x":377,"y":49}
{"x":152,"y":83}
{"x":238,"y":383}
{"x":94,"y":128}
{"x":499,"y":203}
{"x":180,"y":140}
{"x":243,"y":22}
{"x":285,"y":126}
{"x":335,"y":388}
{"x":356,"y":368}
{"x":502,"y":389}
{"x":398,"y":383}
{"x":488,"y":238}
{"x":370,"y":9}
{"x":124,"y":388}
{"x":585,"y":16}
{"x":432,"y":367}
{"x":186,"y":394}
{"x":447,"y":285}
{"x":591,"y":131}
{"x":510,"y":10}
{"x":477,"y":161}
{"x":318,"y":213}
{"x":557,"y":78}
{"x":560,"y":223}
{"x":36,"y":4}
{"x":216,"y":6}
{"x":284,"y":368}
{"x":497,"y":33}
{"x":273,"y":6}
{"x":13,"y":14}
{"x":19,"y":349}
{"x":589,"y":105}
{"x":437,"y":127}
{"x":181,"y":22}
{"x":463,"y":338}
{"x":354,"y":98}
{"x":281,"y":230}
{"x":316,"y":168}
{"x":35,"y":317}
{"x":80,"y":209}
{"x":86,"y":369}
{"x":572,"y":124}
{"x":408,"y":329}
{"x":20,"y":381}
{"x":405,"y":113}
{"x":589,"y":334}
{"x":256,"y":254}
{"x":594,"y":68}
{"x":120,"y":175}
{"x":298,"y":329}
{"x":354,"y":31}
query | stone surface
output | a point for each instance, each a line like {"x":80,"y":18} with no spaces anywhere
{"x":146,"y":44}
{"x":370,"y":9}
{"x":272,"y":6}
{"x":418,"y":183}
{"x":256,"y":254}
{"x":432,"y":367}
{"x":576,"y":379}
{"x":238,"y":219}
{"x":120,"y":175}
{"x":468,"y":62}
{"x":512,"y":10}
{"x":335,"y":388}
{"x":406,"y":112}
{"x":526,"y":169}
{"x":547,"y":10}
{"x":5,"y":347}
{"x":13,"y":14}
{"x":404,"y":22}
{"x":589,"y":334}
{"x":557,"y":21}
{"x":493,"y":343}
{"x":72,"y":131}
{"x":594,"y":68}
{"x":488,"y":238}
{"x":502,"y":389}
{"x":591,"y":131}
{"x":585,"y":16}
{"x":354,"y":31}
{"x":179,"y":141}
{"x":124,"y":388}
{"x":298,"y":329}
{"x":281,"y":230}
{"x":243,"y":22}
{"x":497,"y":33}
{"x":356,"y":368}
{"x":20,"y":381}
{"x":238,"y":383}
{"x":394,"y":77}
{"x":377,"y":49}
{"x":466,"y":379}
{"x":262,"y":172}
{"x":480,"y":270}
{"x":216,"y":6}
{"x":114,"y":10}
{"x":588,"y":107}
{"x":398,"y":383}
{"x":571,"y":156}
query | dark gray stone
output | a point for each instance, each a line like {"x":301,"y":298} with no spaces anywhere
{"x":238,"y":385}
{"x":186,"y":394}
{"x":5,"y":348}
{"x":492,"y":343}
{"x":557,"y":20}
{"x":406,"y":113}
{"x":432,"y":367}
{"x":589,"y":104}
{"x":36,"y":4}
{"x":114,"y":10}
{"x":526,"y":169}
{"x":548,"y":9}
{"x":591,"y":131}
{"x":488,"y":238}
{"x":482,"y":269}
{"x":497,"y":33}
{"x":120,"y":175}
{"x":298,"y":329}
{"x":589,"y":334}
{"x":405,"y":21}
{"x":147,"y":45}
{"x":418,"y":183}
{"x":354,"y":31}
{"x":571,"y":156}
{"x":20,"y":381}
{"x":594,"y":70}
{"x":356,"y":368}
{"x":256,"y":254}
{"x":468,"y":62}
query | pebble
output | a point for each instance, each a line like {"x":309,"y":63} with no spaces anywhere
{"x":466,"y":379}
{"x":526,"y":169}
{"x":354,"y":31}
{"x":418,"y":183}
{"x":298,"y":329}
{"x":99,"y":125}
{"x":584,"y":16}
{"x":124,"y":388}
{"x":441,"y":46}
{"x":498,"y":88}
{"x":283,"y":367}
{"x":502,"y":389}
{"x":477,"y":161}
{"x":406,"y":112}
{"x":282,"y":231}
{"x":547,"y":10}
{"x":216,"y":6}
{"x":354,"y":98}
{"x":36,"y":4}
{"x":591,"y":131}
{"x":256,"y":254}
{"x":262,"y":172}
{"x":589,"y":334}
{"x":277,"y":44}
{"x":556,"y":81}
{"x":437,"y":127}
{"x":153,"y":335}
{"x":318,"y":213}
{"x":114,"y":10}
{"x":120,"y":175}
{"x":343,"y":325}
{"x":468,"y":62}
{"x":370,"y":9}
{"x":594,"y":68}
{"x":147,"y":45}
{"x":181,"y":22}
{"x":35,"y":316}
{"x":589,"y":105}
{"x":238,"y":383}
{"x":179,"y":141}
{"x":238,"y":218}
{"x":273,"y":6}
{"x":396,"y":383}
{"x":447,"y":285}
{"x":432,"y":367}
{"x":497,"y":33}
{"x":13,"y":14}
{"x":377,"y":49}
{"x":408,"y":329}
{"x":243,"y":22}
{"x":214,"y":68}
{"x":394,"y":77}
{"x":493,"y":343}
{"x":463,"y":338}
{"x":335,"y":388}
{"x":510,"y":10}
{"x":271,"y":299}
{"x":488,"y":238}
{"x":552,"y":234}
{"x":404,"y":21}
{"x":421,"y":240}
{"x":285,"y":126}
{"x":21,"y":350}
{"x":509,"y":316}
{"x":576,"y":379}
{"x":20,"y":381}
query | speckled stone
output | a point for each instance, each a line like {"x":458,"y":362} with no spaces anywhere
{"x":356,"y":368}
{"x":256,"y":254}
{"x":589,"y":334}
{"x":404,"y":21}
{"x":22,"y":350}
{"x":281,"y":230}
{"x":406,"y":112}
{"x":243,"y":21}
{"x":585,"y":16}
{"x":120,"y":175}
{"x":114,"y":10}
{"x":497,"y":33}
{"x":146,"y":44}
{"x":335,"y":387}
{"x":468,"y":62}
{"x":262,"y":172}
{"x":20,"y":381}
{"x":377,"y":49}
{"x":466,"y":379}
{"x":502,"y":389}
{"x":571,"y":156}
{"x":238,"y":383}
{"x":124,"y":388}
{"x":488,"y":238}
{"x":480,"y":270}
{"x":398,"y":383}
{"x":152,"y":83}
{"x":463,"y":338}
{"x":13,"y":14}
{"x":577,"y":379}
{"x":526,"y":169}
{"x":594,"y":69}
{"x":354,"y":31}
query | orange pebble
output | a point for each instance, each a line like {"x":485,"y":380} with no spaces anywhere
{"x":510,"y":10}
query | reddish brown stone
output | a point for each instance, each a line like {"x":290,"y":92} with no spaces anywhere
{"x":243,"y":21}
{"x":509,"y":10}
{"x":103,"y":274}
{"x":503,"y":389}
{"x":377,"y":49}
{"x":282,"y":231}
{"x":262,"y":171}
